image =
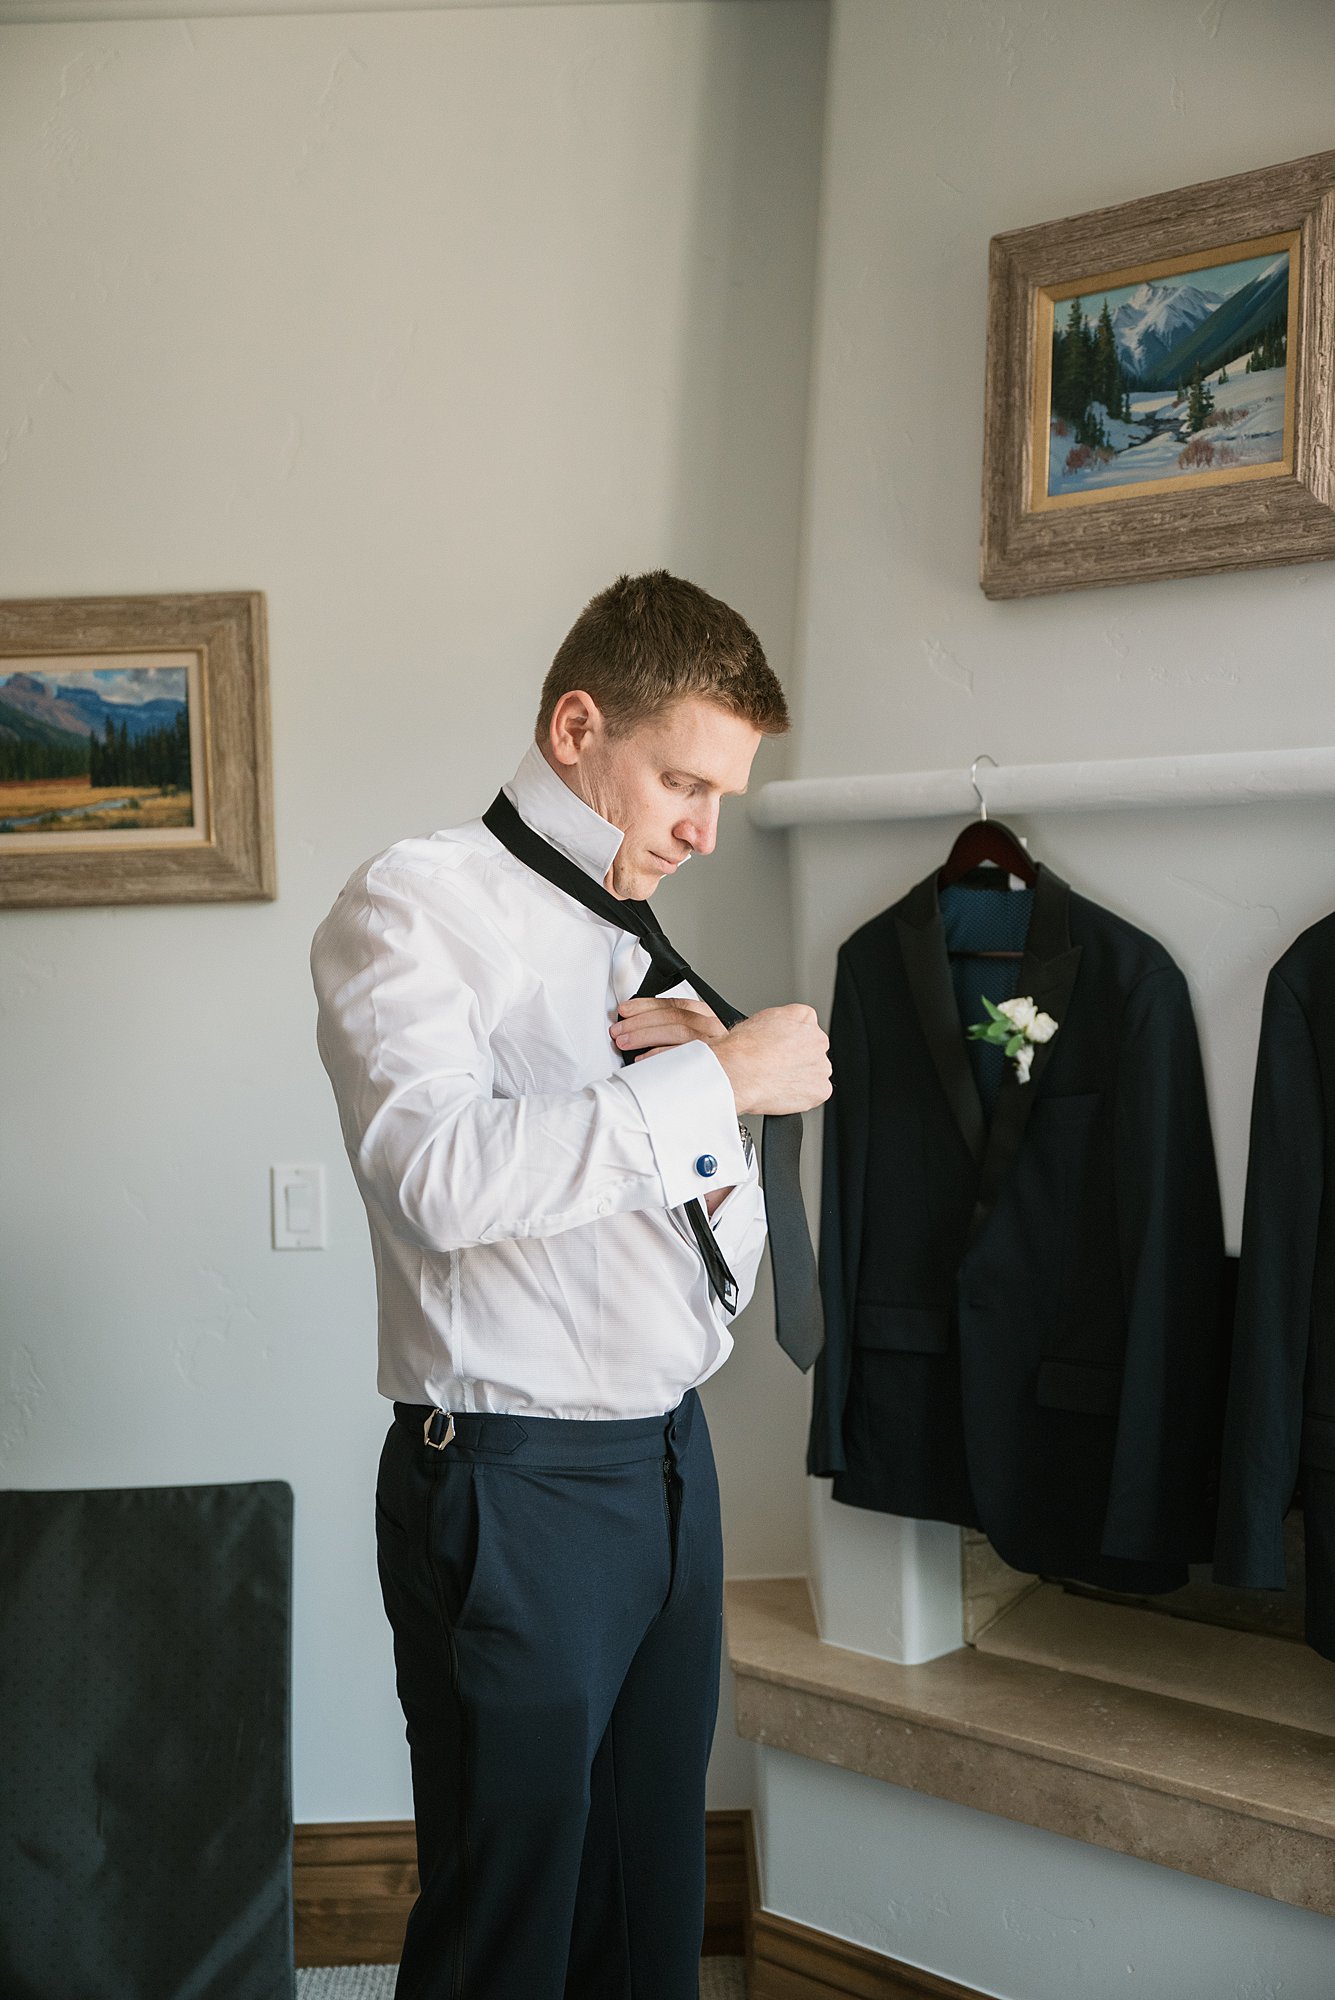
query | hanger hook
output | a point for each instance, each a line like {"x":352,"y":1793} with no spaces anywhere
{"x":982,"y":802}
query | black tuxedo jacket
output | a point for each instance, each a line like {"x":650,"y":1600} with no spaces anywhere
{"x":1023,"y":1327}
{"x":1280,"y":1432}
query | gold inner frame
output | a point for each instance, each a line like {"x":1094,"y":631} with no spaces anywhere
{"x":201,"y":831}
{"x":1047,"y":298}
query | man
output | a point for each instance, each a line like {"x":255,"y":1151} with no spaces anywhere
{"x":565,"y":1214}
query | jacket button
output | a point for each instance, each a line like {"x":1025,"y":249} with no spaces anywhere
{"x":706,"y":1166}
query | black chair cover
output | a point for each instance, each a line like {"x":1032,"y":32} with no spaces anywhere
{"x":145,"y":1757}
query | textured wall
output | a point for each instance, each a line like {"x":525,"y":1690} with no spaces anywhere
{"x":1014,"y":1911}
{"x":946,"y":124}
{"x":427,"y":324}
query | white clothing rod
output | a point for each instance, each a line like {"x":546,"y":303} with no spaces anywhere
{"x":1220,"y":778}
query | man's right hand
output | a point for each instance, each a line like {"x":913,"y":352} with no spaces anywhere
{"x":776,"y":1061}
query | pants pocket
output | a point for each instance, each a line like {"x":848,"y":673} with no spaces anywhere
{"x":455,"y":1538}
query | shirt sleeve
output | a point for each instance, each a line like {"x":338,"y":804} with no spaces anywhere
{"x":738,"y":1224}
{"x":411,"y":979}
{"x":683,"y":1093}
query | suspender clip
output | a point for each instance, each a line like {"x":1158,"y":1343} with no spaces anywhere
{"x":438,"y":1443}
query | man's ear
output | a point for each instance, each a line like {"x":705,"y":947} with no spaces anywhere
{"x":577,"y":723}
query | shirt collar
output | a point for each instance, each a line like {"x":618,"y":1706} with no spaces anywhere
{"x":547,"y":804}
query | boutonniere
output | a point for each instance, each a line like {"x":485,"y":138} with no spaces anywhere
{"x":1016,"y":1025}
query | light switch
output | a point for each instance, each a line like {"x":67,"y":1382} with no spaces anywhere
{"x":296,"y":1200}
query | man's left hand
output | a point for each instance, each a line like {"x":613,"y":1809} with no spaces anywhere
{"x":647,"y":1025}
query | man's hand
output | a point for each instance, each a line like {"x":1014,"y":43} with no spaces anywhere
{"x":646,"y":1025}
{"x":776,"y":1060}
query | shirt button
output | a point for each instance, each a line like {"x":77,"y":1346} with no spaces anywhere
{"x":604,"y":1208}
{"x":706,"y":1166}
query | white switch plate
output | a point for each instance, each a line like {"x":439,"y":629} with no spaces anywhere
{"x":296,"y":1205}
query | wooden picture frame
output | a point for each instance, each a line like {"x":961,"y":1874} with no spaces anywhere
{"x":170,"y":799}
{"x":1186,"y":506}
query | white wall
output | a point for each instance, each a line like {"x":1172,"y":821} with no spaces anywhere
{"x":427,"y":324}
{"x":944,"y":125}
{"x":1015,"y":1911}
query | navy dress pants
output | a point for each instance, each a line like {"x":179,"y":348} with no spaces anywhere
{"x":555,"y":1591}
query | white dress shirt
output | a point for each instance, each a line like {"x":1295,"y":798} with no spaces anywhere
{"x":523,"y":1187}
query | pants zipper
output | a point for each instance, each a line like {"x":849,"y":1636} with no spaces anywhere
{"x":671,"y":1533}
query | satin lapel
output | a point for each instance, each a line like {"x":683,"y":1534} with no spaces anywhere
{"x":922,"y":945}
{"x":1047,"y":973}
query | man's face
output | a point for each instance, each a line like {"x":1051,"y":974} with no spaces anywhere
{"x":661,"y":784}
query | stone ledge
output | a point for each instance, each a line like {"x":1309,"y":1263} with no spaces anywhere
{"x":1245,"y":1673}
{"x":1232,"y":1798}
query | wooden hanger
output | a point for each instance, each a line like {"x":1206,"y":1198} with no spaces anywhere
{"x":985,"y":839}
{"x":982,"y":840}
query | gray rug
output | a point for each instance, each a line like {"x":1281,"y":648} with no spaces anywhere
{"x":346,"y":1982}
{"x":720,"y":1979}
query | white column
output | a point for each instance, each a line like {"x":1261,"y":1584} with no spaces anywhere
{"x":882,"y":1584}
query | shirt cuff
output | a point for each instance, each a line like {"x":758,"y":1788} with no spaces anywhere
{"x":735,"y":1202}
{"x":690,"y":1112}
{"x":738,"y":1224}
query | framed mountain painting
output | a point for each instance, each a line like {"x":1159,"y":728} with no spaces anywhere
{"x":134,"y":750}
{"x":1159,"y":393}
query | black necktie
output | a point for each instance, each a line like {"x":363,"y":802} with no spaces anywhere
{"x":797,"y":1306}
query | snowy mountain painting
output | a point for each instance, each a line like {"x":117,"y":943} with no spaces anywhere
{"x":1170,"y":376}
{"x":94,"y":750}
{"x":1146,"y":325}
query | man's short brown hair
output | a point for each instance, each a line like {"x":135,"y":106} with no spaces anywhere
{"x":648,"y":641}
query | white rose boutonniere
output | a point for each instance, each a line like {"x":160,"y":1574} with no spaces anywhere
{"x":1015,"y":1025}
